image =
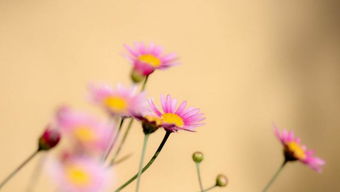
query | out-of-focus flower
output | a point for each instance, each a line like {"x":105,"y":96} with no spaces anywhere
{"x":181,"y":118}
{"x":150,"y":123}
{"x":80,"y":174}
{"x":294,"y":150}
{"x":87,"y":132}
{"x":122,"y":101}
{"x":147,"y":58}
{"x":49,"y":139}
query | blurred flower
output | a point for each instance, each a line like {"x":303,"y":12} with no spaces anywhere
{"x":79,"y":174}
{"x":150,"y":123}
{"x":88,"y":133}
{"x":177,"y":119}
{"x":147,"y":58}
{"x":294,"y":150}
{"x":49,"y":139}
{"x":122,"y":101}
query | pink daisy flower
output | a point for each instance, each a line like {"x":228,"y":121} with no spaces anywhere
{"x":177,"y":118}
{"x":147,"y":58}
{"x":294,"y":150}
{"x":79,"y":174}
{"x":122,"y":101}
{"x":87,"y":132}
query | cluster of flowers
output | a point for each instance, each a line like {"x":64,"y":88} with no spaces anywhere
{"x":81,"y":165}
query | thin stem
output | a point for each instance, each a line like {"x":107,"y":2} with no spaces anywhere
{"x":210,"y":188}
{"x":199,"y":176}
{"x":122,"y":142}
{"x":36,"y":174}
{"x":114,"y":139}
{"x":271,"y":181}
{"x":145,"y":143}
{"x":122,"y":159}
{"x":144,"y":83}
{"x":127,"y":129}
{"x":154,"y":157}
{"x":15,"y":171}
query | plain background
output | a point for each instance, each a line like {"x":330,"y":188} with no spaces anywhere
{"x":246,"y":63}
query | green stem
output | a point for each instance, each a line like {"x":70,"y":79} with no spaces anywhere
{"x":36,"y":174}
{"x":15,"y":171}
{"x":144,"y":83}
{"x":154,"y":157}
{"x":199,"y":176}
{"x":114,"y":139}
{"x":210,"y":188}
{"x":271,"y":181}
{"x":122,"y":142}
{"x":146,"y":138}
{"x":127,"y":129}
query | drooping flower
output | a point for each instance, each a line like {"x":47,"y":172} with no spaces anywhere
{"x":147,"y":58}
{"x":177,"y":118}
{"x":80,"y":174}
{"x":121,"y":101}
{"x":87,"y":132}
{"x":295,"y":151}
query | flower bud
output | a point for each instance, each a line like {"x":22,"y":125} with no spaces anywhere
{"x":49,"y":139}
{"x":197,"y":157}
{"x":136,"y":76}
{"x":221,"y":180}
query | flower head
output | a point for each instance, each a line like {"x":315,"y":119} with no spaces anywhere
{"x":147,"y":58}
{"x":87,"y":132}
{"x":122,"y":101}
{"x":177,"y":118}
{"x":79,"y":174}
{"x":294,"y":150}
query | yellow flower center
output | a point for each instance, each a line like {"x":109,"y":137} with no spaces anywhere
{"x":78,"y":176}
{"x":150,"y":59}
{"x":296,"y":149}
{"x":116,"y":103}
{"x":84,"y":134}
{"x":172,"y":118}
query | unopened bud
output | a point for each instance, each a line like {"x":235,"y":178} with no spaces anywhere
{"x":136,"y":76}
{"x":221,"y":180}
{"x":197,"y":157}
{"x":49,"y":139}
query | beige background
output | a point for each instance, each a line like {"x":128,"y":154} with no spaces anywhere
{"x":245,"y":63}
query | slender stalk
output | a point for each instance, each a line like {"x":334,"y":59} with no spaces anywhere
{"x":154,"y":157}
{"x":199,"y":176}
{"x":144,"y":83}
{"x":127,"y":129}
{"x":36,"y":174}
{"x":121,"y":144}
{"x":145,"y":143}
{"x":271,"y":181}
{"x":16,"y":170}
{"x":210,"y":188}
{"x":122,"y":159}
{"x":114,"y":139}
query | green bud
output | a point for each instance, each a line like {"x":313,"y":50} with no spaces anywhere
{"x":197,"y":157}
{"x":221,"y":180}
{"x":137,"y":77}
